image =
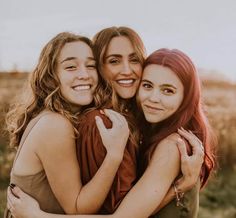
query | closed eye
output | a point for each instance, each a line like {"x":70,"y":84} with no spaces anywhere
{"x":91,"y":66}
{"x":71,"y":67}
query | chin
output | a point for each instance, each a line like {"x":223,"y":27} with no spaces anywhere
{"x":151,"y":120}
{"x":84,"y":101}
{"x":126,"y":95}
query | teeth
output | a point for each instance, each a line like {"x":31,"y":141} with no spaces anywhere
{"x":82,"y":87}
{"x":128,"y":81}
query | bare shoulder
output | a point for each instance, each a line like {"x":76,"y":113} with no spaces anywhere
{"x":167,"y":148}
{"x":52,"y":129}
{"x":53,"y":123}
{"x":172,"y":137}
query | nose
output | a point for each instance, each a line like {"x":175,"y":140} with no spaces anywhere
{"x":126,"y":69}
{"x":155,"y":96}
{"x":82,"y":73}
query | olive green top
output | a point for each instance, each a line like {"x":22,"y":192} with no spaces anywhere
{"x":35,"y":185}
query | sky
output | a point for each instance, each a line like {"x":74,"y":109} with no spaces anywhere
{"x":204,"y":29}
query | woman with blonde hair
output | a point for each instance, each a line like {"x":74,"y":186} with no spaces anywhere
{"x":64,"y":83}
{"x":120,"y":54}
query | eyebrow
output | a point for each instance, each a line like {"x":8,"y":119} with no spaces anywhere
{"x":119,"y":55}
{"x":169,"y":85}
{"x":73,"y":58}
{"x":162,"y":85}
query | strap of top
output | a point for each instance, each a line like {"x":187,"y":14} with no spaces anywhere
{"x":28,"y":129}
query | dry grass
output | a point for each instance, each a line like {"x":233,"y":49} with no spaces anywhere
{"x":218,"y":199}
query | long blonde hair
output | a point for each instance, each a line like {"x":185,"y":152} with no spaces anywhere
{"x":101,"y":42}
{"x":44,"y":90}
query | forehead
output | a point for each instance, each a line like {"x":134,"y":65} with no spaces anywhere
{"x":76,"y":49}
{"x":159,"y":75}
{"x":120,"y":45}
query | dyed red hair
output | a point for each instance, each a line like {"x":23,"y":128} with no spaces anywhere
{"x":190,"y":114}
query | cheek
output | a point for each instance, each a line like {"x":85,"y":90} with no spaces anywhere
{"x":109,"y":72}
{"x":139,"y":70}
{"x":173,"y":103}
{"x":141,"y":96}
{"x":95,"y":78}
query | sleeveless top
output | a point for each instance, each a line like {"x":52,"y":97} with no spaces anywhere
{"x":91,"y":153}
{"x":35,"y":185}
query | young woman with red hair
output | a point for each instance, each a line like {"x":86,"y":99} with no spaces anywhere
{"x":170,"y":99}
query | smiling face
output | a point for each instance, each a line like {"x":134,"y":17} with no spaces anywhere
{"x":122,"y":67}
{"x":77,"y":73}
{"x":160,"y":93}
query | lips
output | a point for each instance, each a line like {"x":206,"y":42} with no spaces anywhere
{"x":82,"y":87}
{"x":153,"y":109}
{"x":126,"y":82}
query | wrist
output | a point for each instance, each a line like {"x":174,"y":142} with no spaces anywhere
{"x":185,"y":184}
{"x":40,"y":214}
{"x":178,"y":195}
{"x":114,"y":157}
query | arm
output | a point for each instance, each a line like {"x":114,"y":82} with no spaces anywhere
{"x":190,"y":166}
{"x":57,"y":153}
{"x":25,"y":206}
{"x":141,"y":201}
{"x":154,"y":184}
{"x":105,"y":138}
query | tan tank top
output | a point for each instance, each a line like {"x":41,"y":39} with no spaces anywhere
{"x":35,"y":185}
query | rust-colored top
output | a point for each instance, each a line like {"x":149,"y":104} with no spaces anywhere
{"x":35,"y":185}
{"x":91,"y":153}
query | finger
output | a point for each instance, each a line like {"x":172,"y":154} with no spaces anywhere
{"x":185,"y":134}
{"x":182,"y":148}
{"x":117,"y":115}
{"x":100,"y":125}
{"x":11,"y":198}
{"x":17,"y":192}
{"x":113,"y":117}
{"x":196,"y":138}
{"x":191,"y":139}
{"x":120,"y":117}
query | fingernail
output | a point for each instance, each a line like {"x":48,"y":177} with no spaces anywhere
{"x":12,"y":185}
{"x":97,"y":117}
{"x":180,"y":140}
{"x":102,"y":112}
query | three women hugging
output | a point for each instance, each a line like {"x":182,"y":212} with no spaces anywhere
{"x":109,"y":132}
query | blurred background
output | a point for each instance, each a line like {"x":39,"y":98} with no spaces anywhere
{"x":204,"y":29}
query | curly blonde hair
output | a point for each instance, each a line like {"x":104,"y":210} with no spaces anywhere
{"x":44,"y":90}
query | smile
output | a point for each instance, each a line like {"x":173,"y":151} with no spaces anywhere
{"x":82,"y":87}
{"x":126,"y":82}
{"x":152,"y":109}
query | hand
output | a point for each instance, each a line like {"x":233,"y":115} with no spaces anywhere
{"x":22,"y":206}
{"x":115,"y":138}
{"x":190,"y":165}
